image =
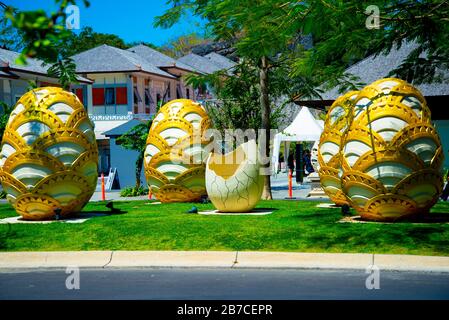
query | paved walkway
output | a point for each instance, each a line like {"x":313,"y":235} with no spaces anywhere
{"x":115,"y":195}
{"x":279,"y":188}
{"x":221,"y":259}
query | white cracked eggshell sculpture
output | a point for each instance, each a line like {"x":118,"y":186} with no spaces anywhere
{"x":233,"y":180}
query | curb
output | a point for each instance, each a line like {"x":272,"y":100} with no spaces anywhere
{"x":220,"y":259}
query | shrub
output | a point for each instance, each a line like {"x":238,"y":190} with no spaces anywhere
{"x":133,"y":192}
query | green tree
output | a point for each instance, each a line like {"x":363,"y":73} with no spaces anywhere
{"x":5,"y":111}
{"x":42,"y":33}
{"x":237,"y":105}
{"x":182,"y":45}
{"x":10,"y":38}
{"x":65,"y":70}
{"x":341,"y":37}
{"x":88,"y":39}
{"x":135,"y":139}
{"x":43,"y":37}
{"x":259,"y":34}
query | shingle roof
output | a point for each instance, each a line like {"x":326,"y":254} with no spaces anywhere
{"x":200,"y":63}
{"x":7,"y":74}
{"x":220,"y":60}
{"x":8,"y":62}
{"x":110,"y":59}
{"x":374,"y":68}
{"x":158,"y":58}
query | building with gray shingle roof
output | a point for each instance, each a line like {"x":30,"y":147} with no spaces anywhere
{"x":128,"y":86}
{"x":377,"y":67}
{"x":9,"y":67}
{"x":15,"y":78}
{"x":105,"y":59}
{"x":158,"y":58}
{"x":220,"y":60}
{"x":200,"y":63}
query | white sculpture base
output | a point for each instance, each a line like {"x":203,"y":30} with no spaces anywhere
{"x":317,"y":191}
{"x":254,"y":212}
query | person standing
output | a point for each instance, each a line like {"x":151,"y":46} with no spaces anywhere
{"x":308,"y":162}
{"x":290,"y":162}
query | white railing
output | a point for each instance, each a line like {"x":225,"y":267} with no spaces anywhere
{"x":119,"y":117}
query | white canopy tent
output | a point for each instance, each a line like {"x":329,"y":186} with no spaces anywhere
{"x":304,"y":128}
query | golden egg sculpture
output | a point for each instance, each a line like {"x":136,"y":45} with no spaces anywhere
{"x":233,"y":180}
{"x":49,"y":155}
{"x":336,"y":123}
{"x":174,"y":157}
{"x":392,"y":155}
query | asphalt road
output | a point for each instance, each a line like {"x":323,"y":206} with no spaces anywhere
{"x":232,"y":284}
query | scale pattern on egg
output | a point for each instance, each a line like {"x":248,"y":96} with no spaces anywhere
{"x":329,"y":148}
{"x":175,"y":152}
{"x":392,"y":155}
{"x":49,"y":155}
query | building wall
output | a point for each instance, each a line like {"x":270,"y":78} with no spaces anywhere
{"x":442,"y":127}
{"x":118,"y":81}
{"x":12,"y":89}
{"x":158,"y":88}
{"x":124,"y":160}
{"x":1,"y":90}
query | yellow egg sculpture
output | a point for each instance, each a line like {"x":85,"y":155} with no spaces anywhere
{"x":49,"y":155}
{"x":329,"y":156}
{"x":175,"y":152}
{"x":233,"y":180}
{"x":392,"y":155}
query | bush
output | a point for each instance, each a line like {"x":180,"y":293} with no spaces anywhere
{"x":133,"y":192}
{"x":2,"y":194}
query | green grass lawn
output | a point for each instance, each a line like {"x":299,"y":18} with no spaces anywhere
{"x":294,"y":226}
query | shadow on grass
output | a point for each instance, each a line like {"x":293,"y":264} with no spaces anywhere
{"x":94,"y":214}
{"x":4,"y":236}
{"x":427,"y":219}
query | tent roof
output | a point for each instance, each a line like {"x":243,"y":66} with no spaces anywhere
{"x":304,"y":128}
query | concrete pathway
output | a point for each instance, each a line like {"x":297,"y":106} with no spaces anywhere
{"x":279,"y":188}
{"x":221,"y":259}
{"x":115,"y":195}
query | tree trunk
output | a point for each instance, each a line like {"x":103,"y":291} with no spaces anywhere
{"x":139,"y":164}
{"x":266,"y":126}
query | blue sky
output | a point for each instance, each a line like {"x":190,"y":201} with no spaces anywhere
{"x":132,"y":20}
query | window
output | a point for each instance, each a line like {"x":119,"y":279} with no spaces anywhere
{"x":168,"y":92}
{"x":97,"y":96}
{"x":188,"y":93}
{"x":109,"y":96}
{"x":137,"y":97}
{"x":148,"y":98}
{"x":178,"y":92}
{"x":121,"y":95}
